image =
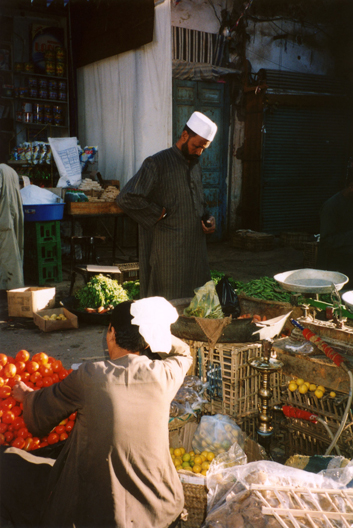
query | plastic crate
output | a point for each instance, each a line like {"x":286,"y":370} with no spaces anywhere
{"x":43,"y":252}
{"x":43,"y":271}
{"x":42,"y":232}
{"x":233,"y":384}
{"x":43,"y":212}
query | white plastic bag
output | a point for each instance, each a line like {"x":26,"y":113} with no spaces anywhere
{"x":217,"y":434}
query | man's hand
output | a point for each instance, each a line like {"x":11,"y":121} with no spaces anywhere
{"x":211,"y":228}
{"x":19,"y":391}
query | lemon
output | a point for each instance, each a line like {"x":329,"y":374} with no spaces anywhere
{"x":191,"y":453}
{"x":198,"y":460}
{"x":292,"y":386}
{"x":318,"y":393}
{"x":177,"y":461}
{"x":210,"y":456}
{"x":173,"y":457}
{"x":182,"y":450}
{"x":204,"y":472}
{"x":171,"y":451}
{"x":299,"y":381}
{"x":203,"y":458}
{"x":205,"y":465}
{"x":177,"y":452}
{"x":333,"y":394}
{"x":186,"y":457}
{"x":196,"y":468}
{"x":321,"y":388}
{"x":303,"y":388}
{"x":192,"y":463}
{"x":312,"y":387}
{"x":185,"y":465}
{"x":307,"y":383}
{"x":204,"y":454}
{"x":178,"y":467}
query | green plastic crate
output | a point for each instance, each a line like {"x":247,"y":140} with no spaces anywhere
{"x":46,"y":271}
{"x":42,"y":233}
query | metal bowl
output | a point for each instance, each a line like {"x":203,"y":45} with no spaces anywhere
{"x":347,"y":298}
{"x":311,"y":280}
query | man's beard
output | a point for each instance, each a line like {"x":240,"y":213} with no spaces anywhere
{"x":186,"y":153}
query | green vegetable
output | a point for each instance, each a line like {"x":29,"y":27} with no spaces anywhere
{"x":101,"y":291}
{"x":132,"y":288}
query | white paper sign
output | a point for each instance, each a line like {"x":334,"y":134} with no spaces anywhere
{"x":67,"y":160}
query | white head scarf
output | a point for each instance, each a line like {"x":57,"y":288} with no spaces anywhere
{"x":153,"y":316}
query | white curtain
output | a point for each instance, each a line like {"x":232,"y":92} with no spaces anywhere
{"x":125,"y":103}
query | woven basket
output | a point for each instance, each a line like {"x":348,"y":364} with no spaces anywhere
{"x":259,"y":242}
{"x":296,"y":240}
{"x":310,"y":254}
{"x":195,"y":496}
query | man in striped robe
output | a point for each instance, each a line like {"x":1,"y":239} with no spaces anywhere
{"x":166,"y":199}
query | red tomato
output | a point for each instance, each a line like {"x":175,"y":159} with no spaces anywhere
{"x":57,"y":365}
{"x":11,"y":359}
{"x":16,"y":410}
{"x":47,"y":381}
{"x":28,"y":444}
{"x":41,"y":358}
{"x":63,"y":436}
{"x":73,"y":416}
{"x":43,"y":444}
{"x":5,"y":391}
{"x":69,"y":426}
{"x":35,"y":376}
{"x":8,"y":403}
{"x":8,"y":417}
{"x":51,"y":360}
{"x":18,"y":423}
{"x":10,"y":427}
{"x":32,"y":366}
{"x":63,"y":373}
{"x":35,"y":443}
{"x":13,"y":381}
{"x":22,"y":355}
{"x":39,"y":383}
{"x":18,"y":442}
{"x":3,"y":428}
{"x":3,"y":360}
{"x":45,"y":370}
{"x":8,"y":436}
{"x":2,"y":381}
{"x":55,"y":377}
{"x":23,"y":432}
{"x":2,"y":439}
{"x":60,"y":429}
{"x":1,"y":413}
{"x":10,"y":370}
{"x":25,"y":376}
{"x":53,"y":438}
{"x":29,"y":384}
{"x":64,"y":422}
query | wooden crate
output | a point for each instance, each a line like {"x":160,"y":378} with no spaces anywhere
{"x":306,"y":438}
{"x":130,"y":271}
{"x":93,"y":208}
{"x":233,"y":384}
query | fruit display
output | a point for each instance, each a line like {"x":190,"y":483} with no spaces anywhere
{"x":39,"y":371}
{"x":55,"y":317}
{"x":216,"y":434}
{"x":191,"y":461}
{"x":306,"y":386}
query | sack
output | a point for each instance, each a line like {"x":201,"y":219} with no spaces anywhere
{"x":228,"y":298}
{"x":217,"y":434}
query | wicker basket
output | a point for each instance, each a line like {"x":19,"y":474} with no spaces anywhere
{"x":195,"y":496}
{"x":252,"y":240}
{"x":233,"y":384}
{"x":296,"y":240}
{"x":310,"y":254}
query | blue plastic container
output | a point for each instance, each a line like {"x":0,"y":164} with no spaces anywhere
{"x":43,"y":212}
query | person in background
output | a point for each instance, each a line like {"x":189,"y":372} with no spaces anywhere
{"x":115,"y":469}
{"x":166,"y":199}
{"x":336,"y":231}
{"x":11,"y":230}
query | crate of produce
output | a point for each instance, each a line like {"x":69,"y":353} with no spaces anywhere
{"x":307,"y":438}
{"x":233,"y":384}
{"x":295,"y":240}
{"x":43,"y":212}
{"x":42,"y":233}
{"x":56,"y":319}
{"x":24,"y":302}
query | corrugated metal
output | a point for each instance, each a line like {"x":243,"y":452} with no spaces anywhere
{"x":280,"y":82}
{"x":304,"y":158}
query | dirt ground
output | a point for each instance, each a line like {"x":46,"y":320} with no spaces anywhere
{"x":88,"y":341}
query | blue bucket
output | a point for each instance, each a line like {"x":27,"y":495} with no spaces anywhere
{"x":43,"y":212}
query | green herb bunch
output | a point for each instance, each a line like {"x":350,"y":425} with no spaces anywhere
{"x":101,"y":291}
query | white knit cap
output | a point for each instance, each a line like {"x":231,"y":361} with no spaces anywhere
{"x":153,"y":316}
{"x":202,"y":126}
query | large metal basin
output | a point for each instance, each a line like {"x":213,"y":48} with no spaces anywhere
{"x":239,"y":330}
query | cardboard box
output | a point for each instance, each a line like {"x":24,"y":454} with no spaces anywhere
{"x":24,"y":302}
{"x":50,"y":326}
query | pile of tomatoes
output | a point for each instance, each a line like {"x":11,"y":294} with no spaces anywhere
{"x":39,"y":371}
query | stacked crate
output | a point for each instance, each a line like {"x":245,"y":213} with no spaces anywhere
{"x":42,"y":252}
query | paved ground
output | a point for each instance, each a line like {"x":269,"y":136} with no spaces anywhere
{"x":88,"y":341}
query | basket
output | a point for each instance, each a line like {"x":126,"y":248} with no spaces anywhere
{"x":195,"y":496}
{"x":252,"y":240}
{"x":310,"y":254}
{"x":129,"y":271}
{"x":296,"y":240}
{"x":233,"y":384}
{"x":306,"y":438}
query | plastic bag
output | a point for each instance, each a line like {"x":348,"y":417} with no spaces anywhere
{"x":217,"y":434}
{"x":205,"y":303}
{"x":228,"y":298}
